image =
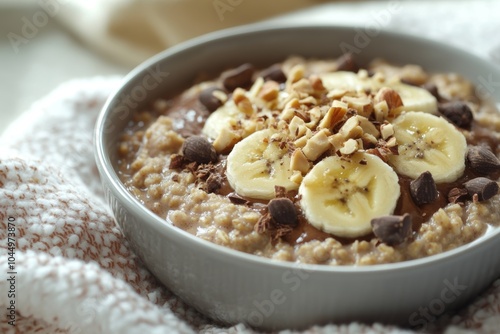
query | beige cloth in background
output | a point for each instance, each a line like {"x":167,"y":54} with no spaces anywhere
{"x":131,"y":31}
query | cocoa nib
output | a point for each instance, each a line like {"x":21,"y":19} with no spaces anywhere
{"x":214,"y":183}
{"x":198,"y":149}
{"x":283,"y":212}
{"x":481,"y":187}
{"x":237,"y":199}
{"x":264,"y":223}
{"x":177,"y":161}
{"x":209,"y":100}
{"x":457,"y":195}
{"x":482,"y":160}
{"x":238,"y":77}
{"x":458,"y":113}
{"x":267,"y":224}
{"x":423,"y":189}
{"x":392,"y":230}
{"x":279,"y":191}
{"x":346,"y":63}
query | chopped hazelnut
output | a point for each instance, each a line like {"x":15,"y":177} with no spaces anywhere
{"x":296,"y":177}
{"x":302,"y":141}
{"x":269,"y":91}
{"x":336,"y":93}
{"x":363,"y":104}
{"x":297,"y":127}
{"x":299,"y":161}
{"x":390,"y":96}
{"x":381,"y":111}
{"x":317,"y":145}
{"x":309,"y":100}
{"x":334,"y":115}
{"x":316,"y":83}
{"x":368,"y":138}
{"x":367,"y":126}
{"x":349,"y":147}
{"x":351,"y":128}
{"x":289,"y":109}
{"x":386,"y":130}
{"x":315,"y":116}
{"x":242,"y":101}
{"x":303,"y":86}
{"x":225,"y":140}
{"x":296,"y":73}
{"x":336,"y":140}
{"x":391,"y":142}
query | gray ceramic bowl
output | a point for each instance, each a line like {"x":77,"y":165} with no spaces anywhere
{"x":233,"y":287}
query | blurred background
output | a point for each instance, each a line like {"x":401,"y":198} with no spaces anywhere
{"x":44,"y":43}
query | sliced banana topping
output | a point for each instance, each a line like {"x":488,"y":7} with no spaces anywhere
{"x":222,"y":118}
{"x":342,"y":195}
{"x":414,"y":98}
{"x":258,"y":163}
{"x":340,"y":139}
{"x":428,"y":143}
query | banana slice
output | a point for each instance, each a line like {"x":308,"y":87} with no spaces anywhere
{"x":345,"y":80}
{"x":414,"y":98}
{"x":258,"y":163}
{"x":223,"y":117}
{"x":428,"y":143}
{"x":341,"y":196}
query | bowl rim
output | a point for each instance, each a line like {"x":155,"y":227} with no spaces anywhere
{"x":163,"y":226}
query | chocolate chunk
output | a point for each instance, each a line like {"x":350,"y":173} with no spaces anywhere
{"x":283,"y":211}
{"x":263,"y":224}
{"x":483,"y":187}
{"x":457,"y":195}
{"x":458,"y":113}
{"x":236,"y":199}
{"x":346,"y":63}
{"x":482,"y":160}
{"x":176,"y":161}
{"x":238,"y":77}
{"x":208,"y":99}
{"x":392,"y":230}
{"x":214,"y":183}
{"x":198,"y":149}
{"x":423,"y":189}
{"x":274,"y":73}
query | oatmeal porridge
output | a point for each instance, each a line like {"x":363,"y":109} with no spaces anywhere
{"x":321,"y":161}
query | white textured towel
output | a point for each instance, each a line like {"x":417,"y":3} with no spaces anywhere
{"x":74,"y":271}
{"x":71,"y":270}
